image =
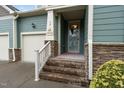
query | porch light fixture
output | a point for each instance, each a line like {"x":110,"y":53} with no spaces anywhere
{"x":33,"y":25}
{"x":74,"y":26}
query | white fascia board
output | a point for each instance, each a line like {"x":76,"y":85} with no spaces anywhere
{"x":59,"y":7}
{"x":7,"y":8}
{"x":31,"y":11}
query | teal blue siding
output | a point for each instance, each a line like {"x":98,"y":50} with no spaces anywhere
{"x":7,"y":26}
{"x":108,"y":9}
{"x":102,"y":6}
{"x":108,"y":23}
{"x":25,"y":25}
{"x":82,"y":37}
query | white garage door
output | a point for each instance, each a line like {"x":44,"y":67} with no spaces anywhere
{"x":29,"y":44}
{"x":4,"y":45}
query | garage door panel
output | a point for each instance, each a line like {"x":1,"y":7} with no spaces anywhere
{"x":31,"y":43}
{"x":4,"y":45}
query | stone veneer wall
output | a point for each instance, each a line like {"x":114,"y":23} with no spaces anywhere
{"x":17,"y":55}
{"x":54,"y":48}
{"x":103,"y":53}
{"x":86,"y":59}
{"x":106,"y":52}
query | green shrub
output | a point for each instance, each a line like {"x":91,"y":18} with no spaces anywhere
{"x":109,"y":75}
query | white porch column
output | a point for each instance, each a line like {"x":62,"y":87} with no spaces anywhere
{"x":50,"y":25}
{"x":90,"y":40}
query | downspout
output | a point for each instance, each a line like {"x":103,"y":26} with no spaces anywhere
{"x":14,"y":30}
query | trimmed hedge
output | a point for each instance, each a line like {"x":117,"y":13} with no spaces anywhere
{"x":109,"y":75}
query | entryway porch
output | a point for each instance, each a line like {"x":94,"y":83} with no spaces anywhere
{"x":71,"y":30}
{"x":65,"y":68}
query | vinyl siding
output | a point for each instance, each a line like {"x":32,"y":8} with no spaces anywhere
{"x":25,"y":25}
{"x":82,"y":36}
{"x":108,"y":23}
{"x":7,"y":26}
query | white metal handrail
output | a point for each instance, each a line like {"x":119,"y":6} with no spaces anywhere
{"x":42,"y":57}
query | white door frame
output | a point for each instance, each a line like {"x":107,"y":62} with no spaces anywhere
{"x":79,"y":37}
{"x":25,"y":34}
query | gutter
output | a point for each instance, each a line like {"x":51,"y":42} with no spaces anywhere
{"x":14,"y":30}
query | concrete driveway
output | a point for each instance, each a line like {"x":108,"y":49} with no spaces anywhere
{"x":21,"y":75}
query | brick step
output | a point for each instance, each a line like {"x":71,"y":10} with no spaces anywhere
{"x":72,"y":79}
{"x":65,"y":70}
{"x":65,"y":63}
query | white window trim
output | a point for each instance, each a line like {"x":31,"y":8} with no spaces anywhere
{"x":25,"y":34}
{"x":90,"y":41}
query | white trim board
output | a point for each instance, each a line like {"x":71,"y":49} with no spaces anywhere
{"x":6,"y":17}
{"x":59,"y":7}
{"x":33,"y":33}
{"x":3,"y":34}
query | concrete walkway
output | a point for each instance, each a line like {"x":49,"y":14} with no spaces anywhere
{"x":21,"y":75}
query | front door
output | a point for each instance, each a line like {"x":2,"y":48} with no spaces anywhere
{"x":73,"y":36}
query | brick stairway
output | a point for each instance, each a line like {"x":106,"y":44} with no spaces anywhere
{"x":65,"y":70}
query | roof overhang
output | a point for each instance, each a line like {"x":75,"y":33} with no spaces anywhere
{"x":34,"y":12}
{"x":56,"y":8}
{"x":8,"y":9}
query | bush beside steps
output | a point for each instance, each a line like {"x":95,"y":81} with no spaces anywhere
{"x":109,"y":75}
